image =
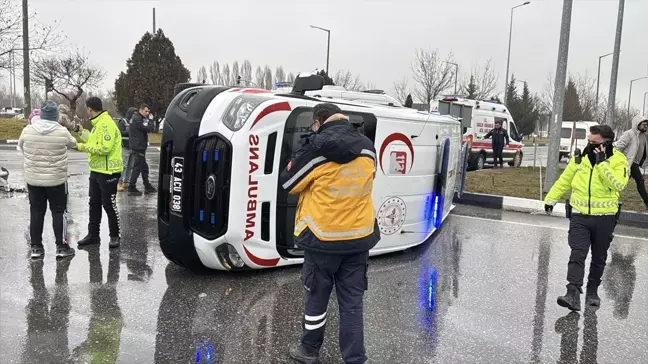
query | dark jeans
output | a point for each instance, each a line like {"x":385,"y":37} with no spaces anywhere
{"x":103,"y":193}
{"x":38,"y":199}
{"x":497,"y":154}
{"x":139,"y":166}
{"x":589,"y":232}
{"x":635,"y":172}
{"x":349,"y":274}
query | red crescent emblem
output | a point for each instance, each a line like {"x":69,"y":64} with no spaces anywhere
{"x":393,"y":138}
{"x":261,"y":261}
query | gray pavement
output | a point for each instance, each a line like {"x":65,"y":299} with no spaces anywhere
{"x":482,"y":290}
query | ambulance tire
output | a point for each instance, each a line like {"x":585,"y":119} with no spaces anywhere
{"x":182,"y":255}
{"x":477,"y":162}
{"x":517,"y":160}
{"x":183,"y":86}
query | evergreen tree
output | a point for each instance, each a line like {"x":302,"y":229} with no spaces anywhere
{"x":409,"y":102}
{"x":572,"y":107}
{"x":471,"y":88}
{"x":511,"y":92}
{"x":151,"y":74}
{"x":529,"y":112}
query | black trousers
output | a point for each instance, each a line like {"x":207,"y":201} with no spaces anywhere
{"x":635,"y":173}
{"x":589,"y":232}
{"x":497,"y":154}
{"x":349,"y":274}
{"x":103,"y":193}
{"x":39,"y":197}
{"x":140,"y":166}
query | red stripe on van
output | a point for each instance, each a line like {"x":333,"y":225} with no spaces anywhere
{"x":261,"y":261}
{"x":280,"y":106}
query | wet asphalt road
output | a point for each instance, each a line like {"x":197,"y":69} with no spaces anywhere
{"x":482,"y":290}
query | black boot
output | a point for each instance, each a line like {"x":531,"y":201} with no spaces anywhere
{"x":571,"y":299}
{"x":114,"y":242}
{"x":89,"y":240}
{"x":591,"y":297}
{"x":300,"y":354}
{"x":148,"y":188}
{"x":133,"y":191}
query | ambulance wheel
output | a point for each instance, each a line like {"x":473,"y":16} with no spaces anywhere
{"x":517,"y":160}
{"x":183,"y":86}
{"x":480,"y":161}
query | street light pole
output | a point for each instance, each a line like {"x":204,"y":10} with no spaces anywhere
{"x":630,"y":95}
{"x":598,"y":80}
{"x":508,"y":59}
{"x":27,"y":91}
{"x":611,"y":116}
{"x":456,"y":74}
{"x":644,"y":104}
{"x":328,"y":47}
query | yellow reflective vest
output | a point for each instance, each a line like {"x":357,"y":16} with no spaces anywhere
{"x":103,"y":144}
{"x":594,"y":189}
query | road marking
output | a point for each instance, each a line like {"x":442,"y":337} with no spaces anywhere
{"x":543,"y":226}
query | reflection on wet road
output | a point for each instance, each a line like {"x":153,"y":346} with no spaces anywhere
{"x":482,"y":290}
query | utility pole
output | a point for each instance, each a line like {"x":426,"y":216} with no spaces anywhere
{"x":154,"y":27}
{"x":559,"y":97}
{"x":644,"y":104}
{"x":598,"y":81}
{"x":630,"y":95}
{"x":328,"y":46}
{"x":610,"y":119}
{"x":26,"y":74}
{"x":508,"y":59}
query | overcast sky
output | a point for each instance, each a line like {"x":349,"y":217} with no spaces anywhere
{"x":373,"y":39}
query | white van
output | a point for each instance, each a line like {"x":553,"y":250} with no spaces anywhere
{"x":484,"y":115}
{"x":220,"y":205}
{"x":574,"y":135}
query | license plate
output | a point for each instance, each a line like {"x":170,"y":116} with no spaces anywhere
{"x":177,"y":165}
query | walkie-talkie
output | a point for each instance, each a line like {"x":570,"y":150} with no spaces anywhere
{"x":577,"y":156}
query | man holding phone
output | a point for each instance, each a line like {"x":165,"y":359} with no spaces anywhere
{"x":596,"y":178}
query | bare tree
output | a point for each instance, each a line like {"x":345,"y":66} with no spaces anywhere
{"x":280,"y":75}
{"x":42,"y":37}
{"x":402,"y":89}
{"x":246,"y":72}
{"x":348,"y":81}
{"x":259,"y":77}
{"x":290,"y":78}
{"x":235,"y":72}
{"x":432,"y":74}
{"x":484,"y":79}
{"x":201,"y":76}
{"x":214,"y":73}
{"x":226,"y":76}
{"x":71,"y":75}
{"x":267,"y":78}
{"x":547,"y":94}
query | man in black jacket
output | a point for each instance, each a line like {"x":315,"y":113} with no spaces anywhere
{"x":333,"y":173}
{"x":500,"y":140}
{"x":138,"y":141}
{"x":123,"y":124}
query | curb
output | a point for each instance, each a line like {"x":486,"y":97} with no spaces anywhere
{"x":516,"y":204}
{"x":8,"y":141}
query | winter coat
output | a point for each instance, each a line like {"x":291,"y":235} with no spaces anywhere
{"x":500,"y":137}
{"x":333,"y":173}
{"x":71,"y":124}
{"x":124,"y":124}
{"x":103,"y":145}
{"x":595,"y":189}
{"x":629,"y":144}
{"x":44,"y":144}
{"x":138,"y":132}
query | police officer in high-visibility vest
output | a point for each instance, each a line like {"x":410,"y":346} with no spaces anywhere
{"x":335,"y":225}
{"x":596,"y":177}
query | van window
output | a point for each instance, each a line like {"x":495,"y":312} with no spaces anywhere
{"x":565,"y":133}
{"x":513,"y":133}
